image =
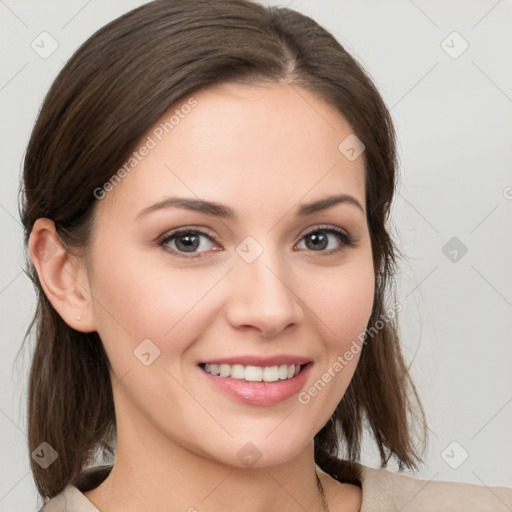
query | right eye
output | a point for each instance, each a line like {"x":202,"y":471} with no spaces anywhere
{"x":186,"y":241}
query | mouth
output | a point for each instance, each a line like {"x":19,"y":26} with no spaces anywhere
{"x":257,"y":385}
{"x":252,"y":373}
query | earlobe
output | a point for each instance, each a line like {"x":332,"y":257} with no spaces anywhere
{"x":61,"y":276}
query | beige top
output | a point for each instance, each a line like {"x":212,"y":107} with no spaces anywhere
{"x":382,"y":491}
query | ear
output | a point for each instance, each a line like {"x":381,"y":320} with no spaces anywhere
{"x":62,"y":276}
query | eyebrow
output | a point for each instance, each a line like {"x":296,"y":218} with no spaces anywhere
{"x":220,"y":210}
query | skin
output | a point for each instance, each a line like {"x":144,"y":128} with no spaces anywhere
{"x":262,"y":150}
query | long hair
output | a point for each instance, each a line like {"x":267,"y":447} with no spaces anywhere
{"x":110,"y":93}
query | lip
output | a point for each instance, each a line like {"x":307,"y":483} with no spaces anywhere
{"x":258,"y":393}
{"x":253,"y":360}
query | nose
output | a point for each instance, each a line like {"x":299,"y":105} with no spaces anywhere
{"x":262,"y":297}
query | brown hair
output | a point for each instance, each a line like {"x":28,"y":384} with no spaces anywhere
{"x":111,"y":92}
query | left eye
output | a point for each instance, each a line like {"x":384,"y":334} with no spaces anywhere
{"x":319,"y":241}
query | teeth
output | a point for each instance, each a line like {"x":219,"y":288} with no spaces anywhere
{"x":251,"y":373}
{"x":254,"y":373}
{"x":225,"y":370}
{"x":237,"y":371}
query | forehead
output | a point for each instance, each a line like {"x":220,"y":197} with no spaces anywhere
{"x":259,"y":148}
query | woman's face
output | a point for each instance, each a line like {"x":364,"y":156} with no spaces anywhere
{"x":269,"y":284}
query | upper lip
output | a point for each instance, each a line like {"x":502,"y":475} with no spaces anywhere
{"x":254,"y":360}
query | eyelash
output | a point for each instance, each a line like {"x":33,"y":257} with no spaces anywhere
{"x":347,"y":240}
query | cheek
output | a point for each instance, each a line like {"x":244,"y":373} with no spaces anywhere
{"x":343,"y":301}
{"x":341,"y":306}
{"x":134,"y":301}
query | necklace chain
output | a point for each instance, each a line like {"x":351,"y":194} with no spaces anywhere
{"x":322,"y":494}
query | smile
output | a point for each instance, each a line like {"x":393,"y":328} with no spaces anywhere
{"x":257,"y":385}
{"x":253,"y":373}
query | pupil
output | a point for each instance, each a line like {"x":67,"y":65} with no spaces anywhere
{"x":318,"y":240}
{"x":189,"y":245}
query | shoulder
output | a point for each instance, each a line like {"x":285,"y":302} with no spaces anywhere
{"x":72,"y":498}
{"x":382,"y":491}
{"x":385,"y":490}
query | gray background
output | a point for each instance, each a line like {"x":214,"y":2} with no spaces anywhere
{"x":453,"y":114}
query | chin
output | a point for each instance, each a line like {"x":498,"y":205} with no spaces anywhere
{"x":260,"y":452}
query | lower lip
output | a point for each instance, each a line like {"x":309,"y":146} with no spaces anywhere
{"x":260,"y":393}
